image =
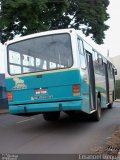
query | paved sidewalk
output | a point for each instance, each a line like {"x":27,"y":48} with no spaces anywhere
{"x":118,"y":158}
{"x":4,"y":111}
{"x":117,"y":100}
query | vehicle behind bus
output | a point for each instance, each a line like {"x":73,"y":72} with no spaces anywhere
{"x":3,"y":93}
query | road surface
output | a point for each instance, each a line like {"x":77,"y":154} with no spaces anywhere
{"x":33,"y":135}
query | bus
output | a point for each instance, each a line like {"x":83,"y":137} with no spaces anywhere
{"x":54,"y":71}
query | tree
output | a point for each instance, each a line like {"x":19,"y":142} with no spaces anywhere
{"x":30,"y":16}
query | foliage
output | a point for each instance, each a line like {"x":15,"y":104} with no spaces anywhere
{"x":117,"y":89}
{"x":30,"y":16}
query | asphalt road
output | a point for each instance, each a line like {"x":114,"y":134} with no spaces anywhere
{"x":34,"y":135}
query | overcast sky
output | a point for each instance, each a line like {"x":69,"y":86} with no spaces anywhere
{"x":112,"y":40}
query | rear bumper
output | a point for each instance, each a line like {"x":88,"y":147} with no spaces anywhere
{"x":45,"y":107}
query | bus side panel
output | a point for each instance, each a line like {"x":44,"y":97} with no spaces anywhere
{"x":85,"y":93}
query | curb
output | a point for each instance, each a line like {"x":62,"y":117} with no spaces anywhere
{"x":4,"y":111}
{"x":117,"y":100}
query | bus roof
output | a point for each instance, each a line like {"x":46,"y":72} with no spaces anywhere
{"x":58,"y":31}
{"x":44,"y":33}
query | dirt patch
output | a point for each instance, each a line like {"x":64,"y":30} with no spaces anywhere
{"x":111,"y":147}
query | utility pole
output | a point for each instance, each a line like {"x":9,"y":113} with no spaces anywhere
{"x":108,"y":53}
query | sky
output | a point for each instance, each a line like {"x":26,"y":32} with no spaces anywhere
{"x":112,"y":39}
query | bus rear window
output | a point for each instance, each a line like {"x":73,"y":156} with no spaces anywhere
{"x":40,"y":54}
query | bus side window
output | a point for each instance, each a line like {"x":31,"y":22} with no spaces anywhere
{"x":110,"y":72}
{"x":96,"y":56}
{"x":101,"y":66}
{"x":100,"y":60}
{"x":82,"y":55}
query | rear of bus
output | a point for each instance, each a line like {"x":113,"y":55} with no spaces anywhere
{"x":42,"y":74}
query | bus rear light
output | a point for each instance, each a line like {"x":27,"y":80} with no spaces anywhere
{"x":76,"y":89}
{"x":10,"y":96}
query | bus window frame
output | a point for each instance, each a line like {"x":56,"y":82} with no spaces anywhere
{"x":100,"y":59}
{"x":96,"y":57}
{"x":81,"y":53}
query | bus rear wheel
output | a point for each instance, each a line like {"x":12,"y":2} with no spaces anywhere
{"x":51,"y":116}
{"x":97,"y":114}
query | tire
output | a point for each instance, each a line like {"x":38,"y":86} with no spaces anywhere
{"x":51,"y":116}
{"x":110,"y":106}
{"x":70,"y":113}
{"x":97,"y":114}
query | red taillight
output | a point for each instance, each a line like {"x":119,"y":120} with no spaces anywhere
{"x":10,"y":96}
{"x":76,"y":89}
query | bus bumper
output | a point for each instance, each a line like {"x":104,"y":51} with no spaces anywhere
{"x":45,"y":107}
